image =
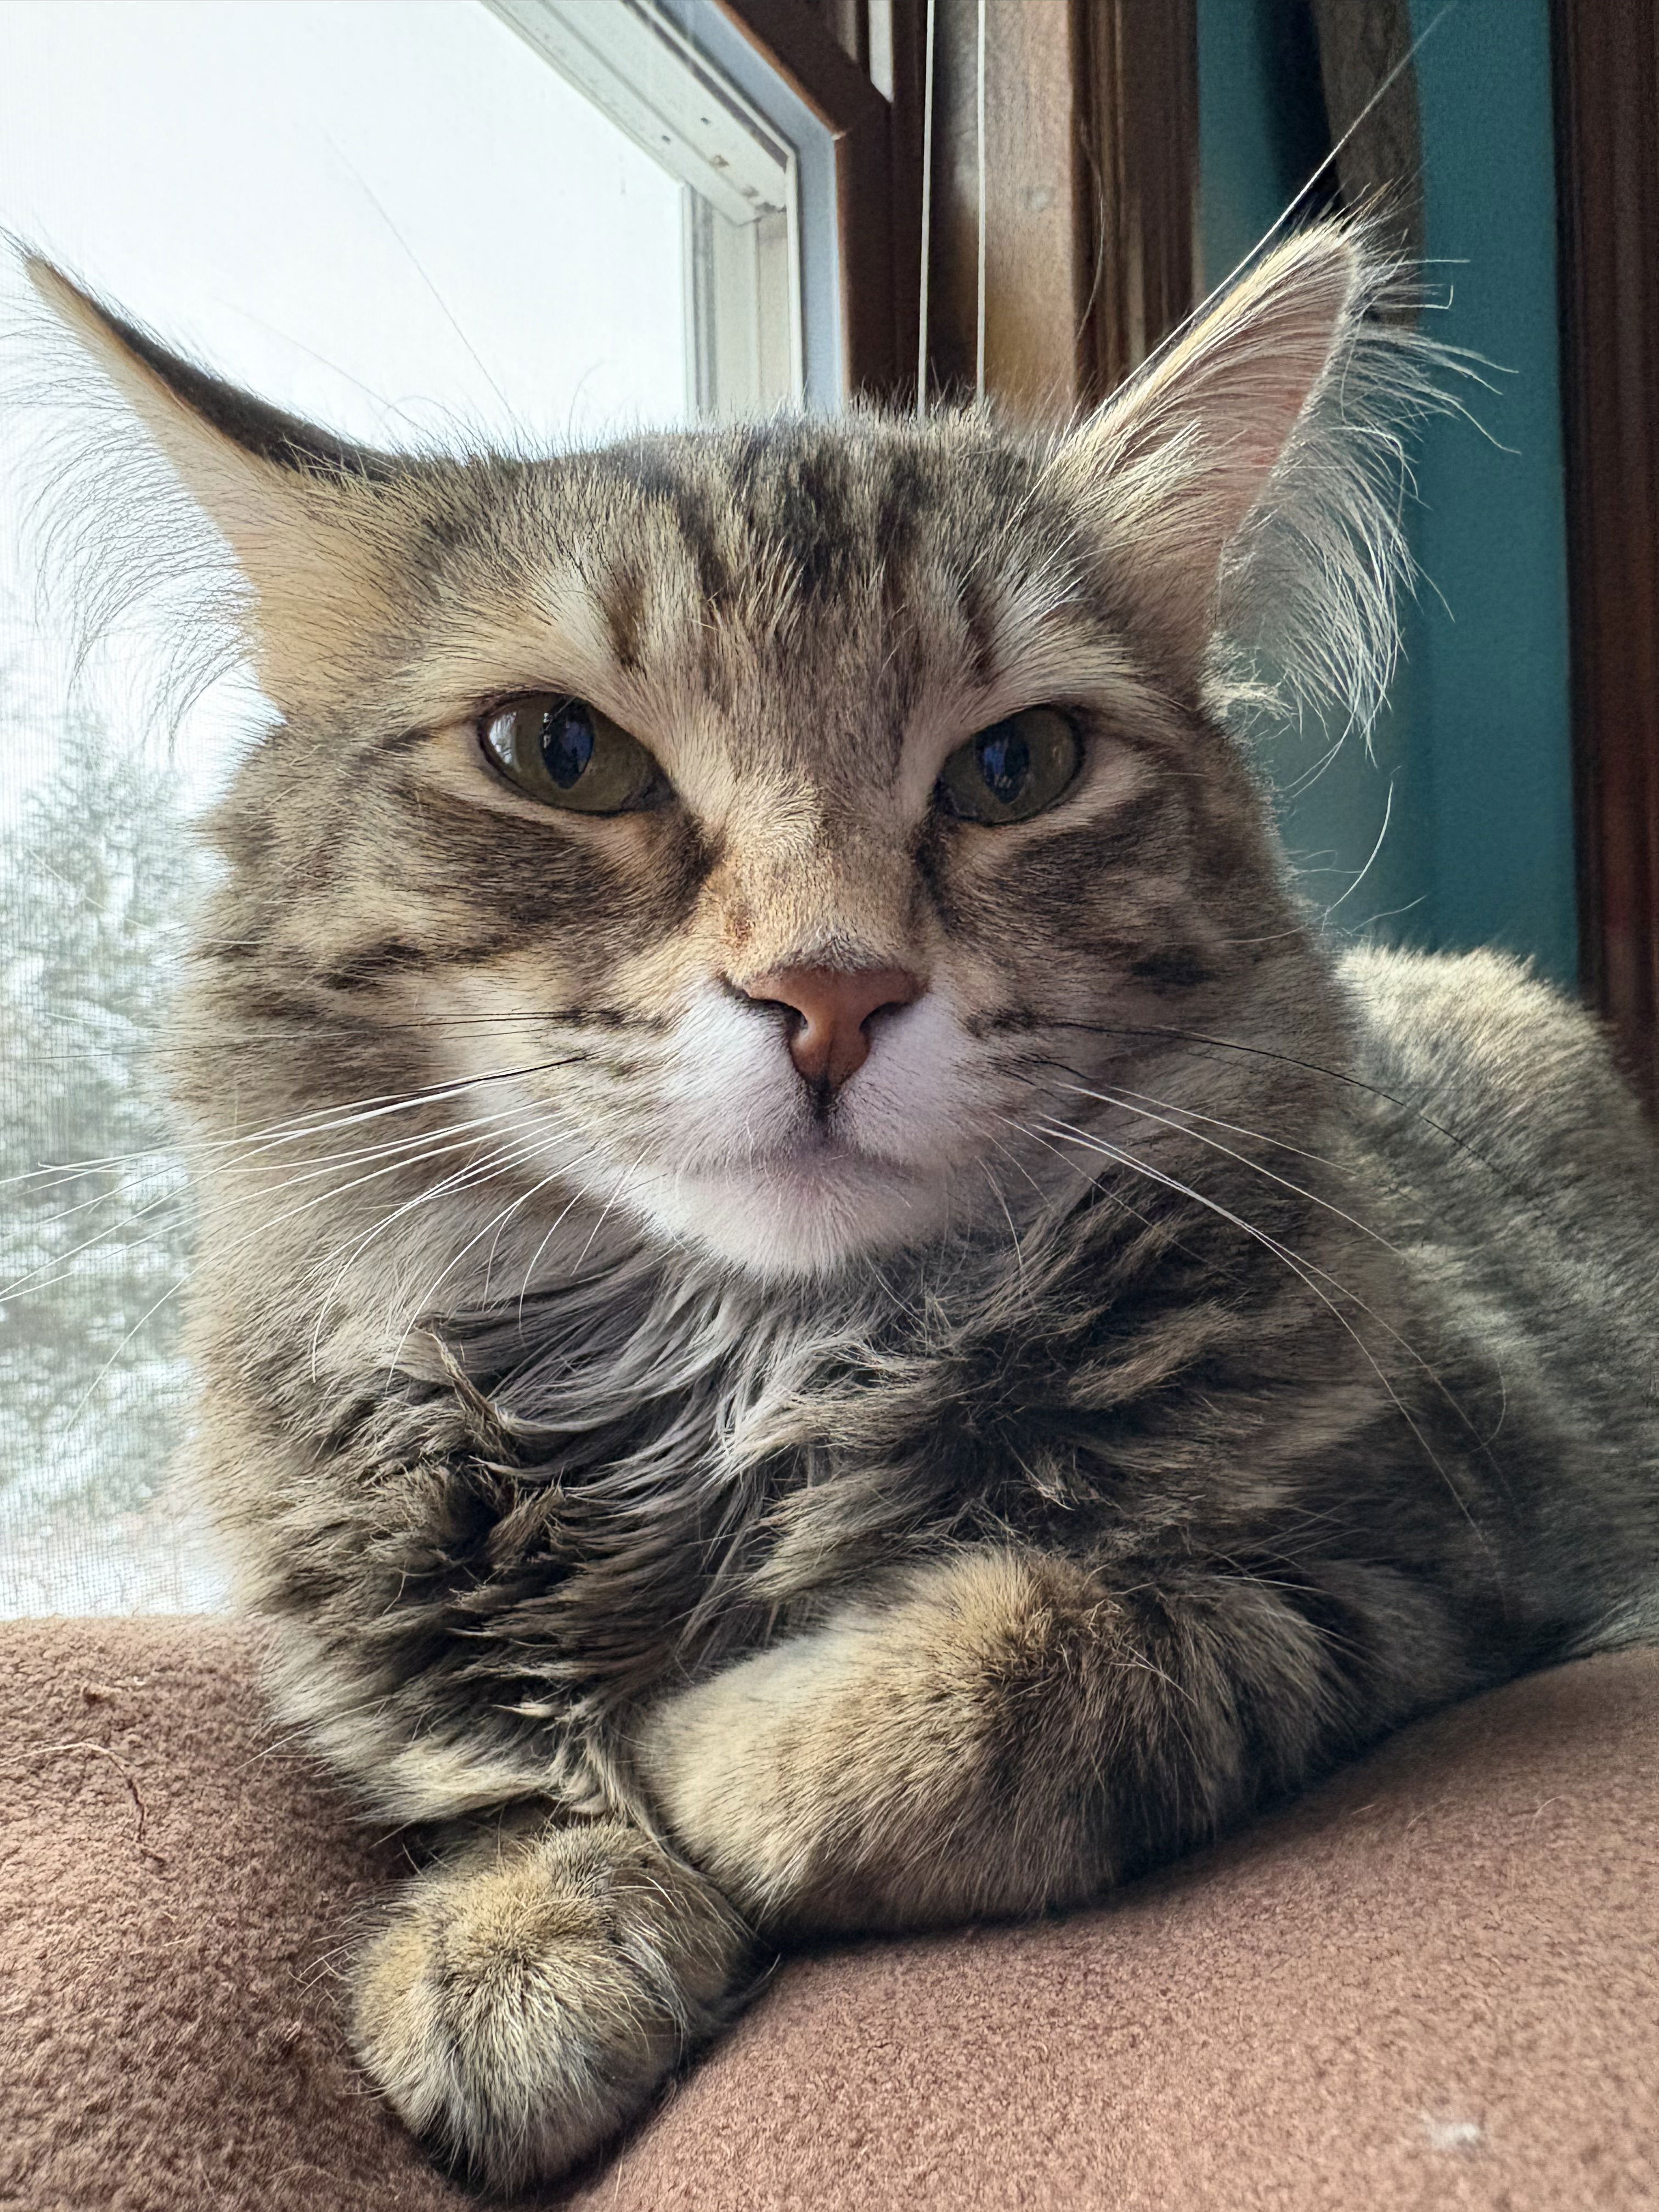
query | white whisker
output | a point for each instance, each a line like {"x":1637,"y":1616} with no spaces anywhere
{"x":1304,"y":1270}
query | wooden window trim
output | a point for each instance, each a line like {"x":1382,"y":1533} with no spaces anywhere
{"x":1091,"y":194}
{"x":877,"y":185}
{"x":1092,"y":185}
{"x":1607,"y":73}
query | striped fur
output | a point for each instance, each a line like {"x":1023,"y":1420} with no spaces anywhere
{"x":1173,"y":1360}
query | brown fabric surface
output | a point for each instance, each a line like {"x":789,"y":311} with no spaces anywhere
{"x":1435,"y":1984}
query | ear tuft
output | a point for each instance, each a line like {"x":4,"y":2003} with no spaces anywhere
{"x":308,"y":519}
{"x":1245,"y":483}
{"x":167,"y":390}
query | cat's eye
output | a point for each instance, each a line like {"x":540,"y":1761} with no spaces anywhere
{"x":567,"y":754}
{"x":1014,"y":769}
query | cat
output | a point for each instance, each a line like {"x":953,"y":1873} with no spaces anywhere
{"x":819,"y":1309}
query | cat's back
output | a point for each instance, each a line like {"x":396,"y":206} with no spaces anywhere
{"x":1507,"y":1086}
{"x":1520,"y":1174}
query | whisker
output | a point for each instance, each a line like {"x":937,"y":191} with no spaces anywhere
{"x":49,"y":1273}
{"x":475,"y":1170}
{"x":530,"y":1269}
{"x":611,"y":1020}
{"x":604,"y":1212}
{"x":1067,"y":1132}
{"x":425,"y":1303}
{"x":414,"y":1145}
{"x":374,"y":1108}
{"x":1290,"y":1060}
{"x":1305,"y":1271}
{"x":39,"y":1279}
{"x":1191,"y":1113}
{"x":143,"y":1323}
{"x":261,"y":1227}
{"x":437,"y":1150}
{"x":1018,"y":1249}
{"x":317,"y":1120}
{"x":1299,"y":1190}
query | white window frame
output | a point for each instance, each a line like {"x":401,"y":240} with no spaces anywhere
{"x":748,"y":349}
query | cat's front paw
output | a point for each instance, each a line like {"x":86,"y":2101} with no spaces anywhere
{"x":523,"y":2000}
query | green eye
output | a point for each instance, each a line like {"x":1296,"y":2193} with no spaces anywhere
{"x":1014,"y":769}
{"x":566,"y":754}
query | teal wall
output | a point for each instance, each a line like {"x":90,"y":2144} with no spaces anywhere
{"x":1475,"y":752}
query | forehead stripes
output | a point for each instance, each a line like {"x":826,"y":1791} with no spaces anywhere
{"x":791,"y":539}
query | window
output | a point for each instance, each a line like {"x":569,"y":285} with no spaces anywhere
{"x":757,"y":280}
{"x":538,"y":221}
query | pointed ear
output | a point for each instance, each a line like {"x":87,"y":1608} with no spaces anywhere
{"x":307,"y":517}
{"x":1171,"y":468}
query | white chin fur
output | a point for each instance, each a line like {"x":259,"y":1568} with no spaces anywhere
{"x":752,"y":1181}
{"x":734,"y":1162}
{"x":801,"y":1217}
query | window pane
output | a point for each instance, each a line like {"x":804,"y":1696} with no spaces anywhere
{"x":377,"y":211}
{"x":662,"y":80}
{"x":389,"y":216}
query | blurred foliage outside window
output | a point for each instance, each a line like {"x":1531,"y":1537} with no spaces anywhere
{"x":97,"y":866}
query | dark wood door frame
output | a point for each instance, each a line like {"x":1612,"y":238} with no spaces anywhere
{"x":1092,"y":189}
{"x":1138,"y":179}
{"x":1092,"y":180}
{"x":1606,"y":74}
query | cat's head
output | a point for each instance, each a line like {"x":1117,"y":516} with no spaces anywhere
{"x":780,"y":828}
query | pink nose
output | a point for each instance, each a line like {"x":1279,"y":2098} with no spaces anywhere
{"x":830,"y":1010}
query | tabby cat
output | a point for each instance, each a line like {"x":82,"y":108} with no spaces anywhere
{"x":818,"y":1309}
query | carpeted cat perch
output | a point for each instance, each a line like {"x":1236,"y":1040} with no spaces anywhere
{"x":1435,"y":1984}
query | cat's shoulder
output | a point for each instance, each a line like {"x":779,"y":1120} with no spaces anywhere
{"x":1480,"y":1039}
{"x":1482,"y":1013}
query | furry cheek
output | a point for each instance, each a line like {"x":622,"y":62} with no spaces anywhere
{"x":731,"y":1099}
{"x":728,"y":1097}
{"x":757,"y":1176}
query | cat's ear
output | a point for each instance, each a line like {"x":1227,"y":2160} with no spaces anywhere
{"x":1173,"y":468}
{"x":303,"y":513}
